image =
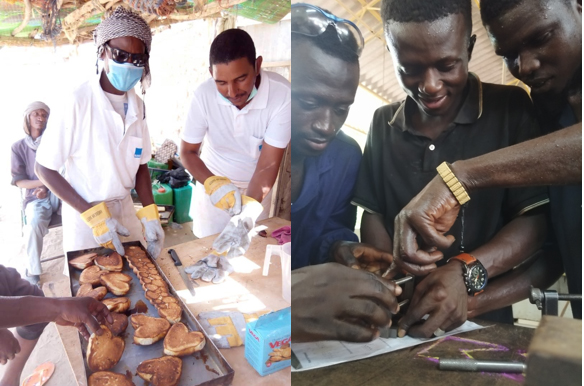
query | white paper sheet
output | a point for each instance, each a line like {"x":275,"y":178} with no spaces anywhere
{"x":315,"y":355}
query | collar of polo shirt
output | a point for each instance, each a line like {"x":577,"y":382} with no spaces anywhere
{"x":470,"y":112}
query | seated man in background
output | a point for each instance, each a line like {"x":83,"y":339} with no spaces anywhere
{"x":243,"y":115}
{"x":39,"y":202}
{"x":329,"y":301}
{"x":448,"y":115}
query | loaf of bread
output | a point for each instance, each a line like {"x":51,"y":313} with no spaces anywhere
{"x":83,"y":261}
{"x":148,"y":329}
{"x":107,"y":378}
{"x":91,"y":275}
{"x":180,"y":342}
{"x":97,"y":293}
{"x":155,"y":288}
{"x":116,"y":282}
{"x":104,"y":351}
{"x":119,"y":325}
{"x":164,"y":371}
{"x":117,"y":304}
{"x":112,"y":262}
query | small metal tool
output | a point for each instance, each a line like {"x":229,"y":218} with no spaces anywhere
{"x":487,"y":366}
{"x":407,"y":285}
{"x":547,"y":301}
{"x":391,"y":331}
{"x":182,"y":272}
{"x":388,"y":332}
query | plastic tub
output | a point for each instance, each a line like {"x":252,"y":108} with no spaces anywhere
{"x":182,"y":203}
{"x":163,"y":198}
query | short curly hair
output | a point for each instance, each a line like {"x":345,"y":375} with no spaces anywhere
{"x":418,"y":11}
{"x":329,"y":43}
{"x":493,"y":9}
{"x":230,"y":45}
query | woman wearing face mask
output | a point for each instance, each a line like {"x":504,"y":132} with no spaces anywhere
{"x":102,"y":139}
{"x":39,"y":203}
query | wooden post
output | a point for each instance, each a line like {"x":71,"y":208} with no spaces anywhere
{"x":282,"y":196}
{"x":554,"y":356}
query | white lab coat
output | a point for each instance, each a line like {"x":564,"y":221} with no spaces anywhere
{"x":101,"y":153}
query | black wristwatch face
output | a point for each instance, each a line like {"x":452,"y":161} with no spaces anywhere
{"x":477,"y":278}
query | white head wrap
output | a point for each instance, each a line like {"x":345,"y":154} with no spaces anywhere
{"x":121,"y":23}
{"x":29,"y":109}
{"x":26,"y":125}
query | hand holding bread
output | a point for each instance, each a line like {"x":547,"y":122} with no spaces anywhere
{"x":85,"y":313}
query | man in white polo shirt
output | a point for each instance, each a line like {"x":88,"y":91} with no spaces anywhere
{"x":243,"y":116}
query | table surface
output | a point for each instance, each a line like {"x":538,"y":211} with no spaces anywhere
{"x":246,"y":290}
{"x":418,"y":365}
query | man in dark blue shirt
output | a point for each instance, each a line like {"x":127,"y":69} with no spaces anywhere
{"x":329,"y":300}
{"x":325,"y":161}
{"x":323,"y":207}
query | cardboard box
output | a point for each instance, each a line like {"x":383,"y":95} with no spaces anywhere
{"x":268,"y":345}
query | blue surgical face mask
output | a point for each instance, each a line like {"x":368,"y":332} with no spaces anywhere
{"x":251,"y":95}
{"x":124,"y":76}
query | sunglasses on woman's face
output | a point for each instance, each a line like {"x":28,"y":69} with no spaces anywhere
{"x":312,"y":21}
{"x":121,"y":56}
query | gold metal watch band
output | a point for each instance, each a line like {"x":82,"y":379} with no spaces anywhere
{"x":453,"y":184}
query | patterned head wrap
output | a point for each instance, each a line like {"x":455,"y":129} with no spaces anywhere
{"x":29,"y":109}
{"x":121,"y":23}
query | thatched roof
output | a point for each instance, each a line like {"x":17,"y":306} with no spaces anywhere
{"x":55,"y":22}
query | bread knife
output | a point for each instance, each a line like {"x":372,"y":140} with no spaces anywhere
{"x":182,"y":272}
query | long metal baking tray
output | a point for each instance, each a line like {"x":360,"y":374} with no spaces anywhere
{"x":207,"y":367}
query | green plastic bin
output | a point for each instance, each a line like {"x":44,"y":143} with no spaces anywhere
{"x":166,"y":198}
{"x":182,"y":203}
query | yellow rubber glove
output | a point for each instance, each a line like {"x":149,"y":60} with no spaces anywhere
{"x":152,"y":229}
{"x":105,"y":228}
{"x":223,"y":194}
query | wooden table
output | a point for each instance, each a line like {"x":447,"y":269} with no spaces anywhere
{"x":245,"y":290}
{"x":418,"y":365}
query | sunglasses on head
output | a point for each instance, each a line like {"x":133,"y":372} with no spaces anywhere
{"x":312,"y":21}
{"x":121,"y":56}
